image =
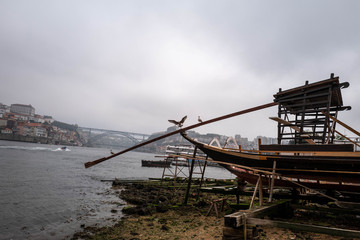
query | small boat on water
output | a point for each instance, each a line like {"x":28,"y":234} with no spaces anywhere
{"x":306,"y":152}
{"x":155,"y":163}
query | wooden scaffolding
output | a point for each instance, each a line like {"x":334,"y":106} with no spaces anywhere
{"x":305,"y":114}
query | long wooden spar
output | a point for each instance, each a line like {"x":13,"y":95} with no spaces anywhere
{"x":92,"y":163}
{"x":342,"y":124}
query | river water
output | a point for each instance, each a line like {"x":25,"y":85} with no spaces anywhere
{"x":46,"y":193}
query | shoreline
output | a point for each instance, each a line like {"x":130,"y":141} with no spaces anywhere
{"x":28,"y":139}
{"x":157,"y":212}
{"x":33,"y":139}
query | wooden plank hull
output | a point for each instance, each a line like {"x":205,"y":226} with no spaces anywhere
{"x":331,"y":167}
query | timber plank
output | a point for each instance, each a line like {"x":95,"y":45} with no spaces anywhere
{"x":306,"y":227}
{"x":238,"y":219}
{"x":310,"y":148}
{"x":296,"y":128}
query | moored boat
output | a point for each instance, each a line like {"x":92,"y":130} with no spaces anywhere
{"x":155,"y":163}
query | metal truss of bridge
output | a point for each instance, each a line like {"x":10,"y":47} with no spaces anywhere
{"x":96,"y":134}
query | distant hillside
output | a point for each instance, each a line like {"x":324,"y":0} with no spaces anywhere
{"x":160,"y":145}
{"x":64,"y":125}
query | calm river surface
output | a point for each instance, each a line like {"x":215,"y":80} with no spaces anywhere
{"x":46,"y":193}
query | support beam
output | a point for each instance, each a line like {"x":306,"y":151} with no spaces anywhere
{"x":305,"y":227}
{"x":342,"y":124}
{"x":347,"y":138}
{"x":258,"y":183}
{"x":190,"y":177}
{"x":235,"y":223}
{"x":272,"y":182}
{"x":296,"y":128}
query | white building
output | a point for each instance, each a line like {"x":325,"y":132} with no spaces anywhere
{"x":22,"y":109}
{"x":6,"y":131}
{"x":48,"y":119}
{"x":40,"y":132}
{"x":38,"y":118}
{"x":3,"y":123}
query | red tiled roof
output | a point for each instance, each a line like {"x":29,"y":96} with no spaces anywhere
{"x":34,"y":124}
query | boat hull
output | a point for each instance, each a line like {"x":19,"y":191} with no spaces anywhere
{"x":252,"y":178}
{"x":335,"y":167}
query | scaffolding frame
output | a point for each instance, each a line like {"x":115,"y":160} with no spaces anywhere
{"x":306,"y":112}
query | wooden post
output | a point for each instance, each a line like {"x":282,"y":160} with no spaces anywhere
{"x":238,"y":190}
{"x":261,"y":197}
{"x":272,"y":182}
{"x":255,"y":190}
{"x":202,"y":178}
{"x":213,"y":205}
{"x":163,"y":174}
{"x":259,"y":143}
{"x":245,"y":232}
{"x":190,"y":177}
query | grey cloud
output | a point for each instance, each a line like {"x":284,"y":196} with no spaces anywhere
{"x":120,"y":62}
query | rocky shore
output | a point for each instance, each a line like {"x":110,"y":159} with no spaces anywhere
{"x":156,"y":211}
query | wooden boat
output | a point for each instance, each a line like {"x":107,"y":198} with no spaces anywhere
{"x":306,"y":153}
{"x":325,"y":170}
{"x":155,"y":163}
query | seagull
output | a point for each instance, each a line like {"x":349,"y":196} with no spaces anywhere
{"x":199,"y":119}
{"x":180,"y":123}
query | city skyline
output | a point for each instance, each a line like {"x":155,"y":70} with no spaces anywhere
{"x":35,"y":116}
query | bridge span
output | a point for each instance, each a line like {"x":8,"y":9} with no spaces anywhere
{"x":97,"y":133}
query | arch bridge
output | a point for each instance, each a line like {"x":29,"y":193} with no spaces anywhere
{"x":96,"y":134}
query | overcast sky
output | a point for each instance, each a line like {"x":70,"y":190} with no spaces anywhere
{"x":132,"y":65}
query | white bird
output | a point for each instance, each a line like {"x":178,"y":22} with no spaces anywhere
{"x":199,"y":119}
{"x":178,"y":123}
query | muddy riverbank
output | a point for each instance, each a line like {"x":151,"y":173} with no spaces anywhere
{"x":156,"y":211}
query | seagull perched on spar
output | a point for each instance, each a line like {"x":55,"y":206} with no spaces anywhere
{"x":180,"y":123}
